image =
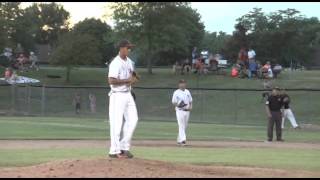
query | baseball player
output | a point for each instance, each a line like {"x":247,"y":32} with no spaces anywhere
{"x":123,"y":114}
{"x":286,"y":111}
{"x":182,"y":100}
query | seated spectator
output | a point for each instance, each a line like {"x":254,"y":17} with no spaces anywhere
{"x":7,"y":74}
{"x":235,"y":71}
{"x":213,"y":64}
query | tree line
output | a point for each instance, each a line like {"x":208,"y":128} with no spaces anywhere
{"x":163,"y":32}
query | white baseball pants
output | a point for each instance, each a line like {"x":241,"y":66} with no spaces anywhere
{"x":287,"y":114}
{"x":182,"y":118}
{"x":123,"y":118}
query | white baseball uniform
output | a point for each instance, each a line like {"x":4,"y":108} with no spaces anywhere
{"x":182,"y":115}
{"x":123,"y":114}
{"x":287,"y":114}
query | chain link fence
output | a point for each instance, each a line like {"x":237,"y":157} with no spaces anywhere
{"x":220,"y":106}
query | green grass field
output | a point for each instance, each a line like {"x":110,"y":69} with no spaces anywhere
{"x":232,"y":116}
{"x":72,"y":128}
{"x":83,"y":128}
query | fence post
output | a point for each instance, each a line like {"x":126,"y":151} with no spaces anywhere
{"x":29,"y":98}
{"x":43,"y":103}
{"x":13,"y":98}
{"x":236,"y":106}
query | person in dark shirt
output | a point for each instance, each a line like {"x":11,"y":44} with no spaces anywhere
{"x":273,"y":109}
{"x":286,"y":111}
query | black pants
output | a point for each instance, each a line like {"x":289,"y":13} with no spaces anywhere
{"x":275,"y":119}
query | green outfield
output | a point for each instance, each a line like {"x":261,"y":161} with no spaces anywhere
{"x":83,"y":128}
{"x":72,"y":128}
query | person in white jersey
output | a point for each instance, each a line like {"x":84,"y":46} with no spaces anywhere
{"x":182,"y":100}
{"x":123,"y":116}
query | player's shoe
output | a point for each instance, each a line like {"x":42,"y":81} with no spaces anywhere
{"x":117,"y":156}
{"x":183,"y":143}
{"x":268,"y":141}
{"x":280,"y":140}
{"x":298,"y":127}
{"x":127,"y":154}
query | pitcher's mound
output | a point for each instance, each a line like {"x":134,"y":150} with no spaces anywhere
{"x":140,"y":168}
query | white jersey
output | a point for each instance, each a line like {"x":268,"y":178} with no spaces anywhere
{"x":180,"y":95}
{"x":251,"y":54}
{"x":120,"y":69}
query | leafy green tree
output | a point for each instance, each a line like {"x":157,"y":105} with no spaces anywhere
{"x":9,"y":12}
{"x":102,"y":32}
{"x":163,"y":31}
{"x":214,"y":41}
{"x":76,"y":49}
{"x":282,"y":36}
{"x":48,"y":21}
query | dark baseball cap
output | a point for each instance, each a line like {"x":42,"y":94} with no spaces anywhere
{"x":182,"y":81}
{"x":125,"y":43}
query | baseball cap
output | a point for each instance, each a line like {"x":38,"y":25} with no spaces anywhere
{"x":182,"y":81}
{"x":125,"y":43}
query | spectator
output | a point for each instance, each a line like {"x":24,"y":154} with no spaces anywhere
{"x":251,"y":54}
{"x":34,"y":60}
{"x":267,"y":71}
{"x":21,"y":61}
{"x":198,"y":66}
{"x":92,"y":100}
{"x":8,"y":74}
{"x":276,"y":70}
{"x":194,"y":56}
{"x":176,"y":68}
{"x":243,"y":57}
{"x":77,"y":102}
{"x":186,"y":66}
{"x":235,"y":71}
{"x":253,"y":67}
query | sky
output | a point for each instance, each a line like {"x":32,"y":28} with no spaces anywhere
{"x":216,"y":16}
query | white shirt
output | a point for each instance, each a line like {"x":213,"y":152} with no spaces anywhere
{"x":120,"y":69}
{"x":270,"y":73}
{"x":251,"y":54}
{"x":180,"y":95}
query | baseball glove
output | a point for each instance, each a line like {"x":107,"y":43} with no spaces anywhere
{"x":134,"y":74}
{"x":181,"y":105}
